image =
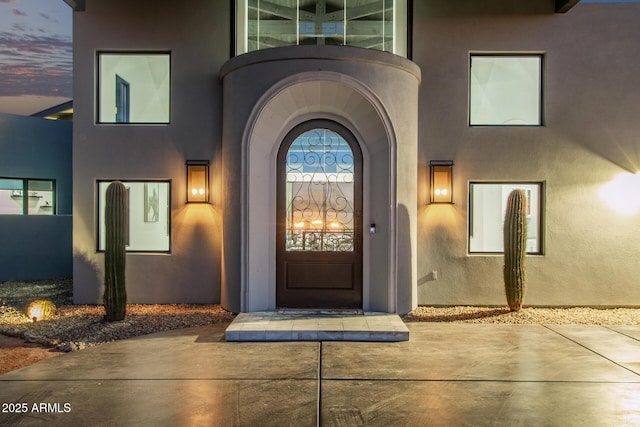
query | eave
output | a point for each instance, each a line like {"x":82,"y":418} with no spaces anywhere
{"x":76,"y":5}
{"x":563,"y":6}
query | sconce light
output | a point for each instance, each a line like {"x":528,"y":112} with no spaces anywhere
{"x":197,"y":181}
{"x":441,"y":181}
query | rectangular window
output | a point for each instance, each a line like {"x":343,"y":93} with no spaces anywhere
{"x":371,"y":24}
{"x":20,"y":196}
{"x":505,"y":90}
{"x":487,"y":208}
{"x":134,"y":87}
{"x":149,"y":215}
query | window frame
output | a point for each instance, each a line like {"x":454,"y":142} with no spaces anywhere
{"x":305,"y":142}
{"x":98,"y":77}
{"x":98,"y":226}
{"x":504,"y":54}
{"x":25,"y":200}
{"x":406,"y":49}
{"x":541,"y":216}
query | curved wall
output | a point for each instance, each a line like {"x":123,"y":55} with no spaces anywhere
{"x":266,"y":94}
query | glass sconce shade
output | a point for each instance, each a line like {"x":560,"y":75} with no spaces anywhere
{"x":197,"y":181}
{"x":441,"y":181}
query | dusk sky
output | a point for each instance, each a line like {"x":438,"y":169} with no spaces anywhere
{"x":35,"y":55}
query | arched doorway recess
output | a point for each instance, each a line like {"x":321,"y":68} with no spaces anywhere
{"x":266,"y":95}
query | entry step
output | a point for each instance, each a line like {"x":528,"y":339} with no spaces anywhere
{"x":317,"y":325}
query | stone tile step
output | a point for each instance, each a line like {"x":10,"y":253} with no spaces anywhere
{"x":317,"y":325}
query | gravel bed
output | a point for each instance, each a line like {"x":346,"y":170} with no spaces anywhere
{"x":79,"y":326}
{"x":75,"y":327}
{"x":527,"y":316}
{"x":20,"y":294}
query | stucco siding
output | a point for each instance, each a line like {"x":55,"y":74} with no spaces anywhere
{"x":34,"y":246}
{"x":198,"y":39}
{"x":266,"y":94}
{"x":589,"y":135}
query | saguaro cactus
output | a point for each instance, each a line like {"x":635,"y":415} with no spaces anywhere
{"x":515,"y":248}
{"x":116,"y":224}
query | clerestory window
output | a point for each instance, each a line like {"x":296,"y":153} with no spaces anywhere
{"x":371,"y":24}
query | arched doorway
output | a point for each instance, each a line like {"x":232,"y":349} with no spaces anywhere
{"x":319,"y":217}
{"x":265,"y":98}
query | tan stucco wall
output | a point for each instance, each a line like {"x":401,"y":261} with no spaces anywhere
{"x":267,"y":93}
{"x":191,"y":272}
{"x":591,"y":134}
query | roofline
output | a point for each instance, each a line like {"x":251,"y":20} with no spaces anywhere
{"x":76,"y":5}
{"x":55,"y":109}
{"x":562,"y":6}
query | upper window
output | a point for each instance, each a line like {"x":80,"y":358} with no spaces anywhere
{"x":371,"y":24}
{"x":133,"y":87}
{"x":149,"y":215}
{"x":505,"y":90}
{"x":487,"y":208}
{"x":27,"y":196}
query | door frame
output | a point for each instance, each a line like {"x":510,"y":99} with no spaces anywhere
{"x":327,"y":296}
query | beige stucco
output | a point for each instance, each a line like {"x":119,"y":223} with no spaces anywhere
{"x":293,"y":85}
{"x":191,"y":272}
{"x":590,"y":134}
{"x":591,"y":101}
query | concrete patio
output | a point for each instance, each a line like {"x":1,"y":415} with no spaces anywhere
{"x":445,"y":375}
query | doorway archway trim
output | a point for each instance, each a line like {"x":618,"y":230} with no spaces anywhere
{"x":275,"y":117}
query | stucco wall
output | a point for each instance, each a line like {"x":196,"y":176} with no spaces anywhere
{"x":267,"y":93}
{"x":198,"y":37}
{"x":590,"y":135}
{"x":36,"y":247}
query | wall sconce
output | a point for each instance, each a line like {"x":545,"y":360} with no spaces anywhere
{"x":197,"y":181}
{"x":441,"y":181}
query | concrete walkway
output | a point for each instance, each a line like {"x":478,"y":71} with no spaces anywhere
{"x":445,"y":375}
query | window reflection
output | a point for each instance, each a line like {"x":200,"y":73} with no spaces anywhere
{"x":27,"y":197}
{"x":134,"y":88}
{"x":149,"y":215}
{"x":320,"y":193}
{"x":505,"y":90}
{"x":488,"y":205}
{"x":371,"y":24}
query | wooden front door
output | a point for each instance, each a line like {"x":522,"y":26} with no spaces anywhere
{"x":319,"y":218}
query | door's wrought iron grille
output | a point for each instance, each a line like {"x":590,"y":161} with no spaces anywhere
{"x":320,"y":193}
